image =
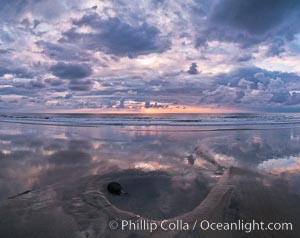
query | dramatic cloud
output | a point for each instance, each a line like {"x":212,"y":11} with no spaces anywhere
{"x":254,"y":88}
{"x":252,"y":22}
{"x":54,"y":81}
{"x":193,"y":69}
{"x":80,"y":85}
{"x":63,"y":52}
{"x":20,"y":72}
{"x":71,"y":71}
{"x":150,"y":55}
{"x":114,"y":36}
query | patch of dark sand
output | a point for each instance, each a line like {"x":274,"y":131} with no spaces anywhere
{"x":157,"y":196}
{"x":84,"y":209}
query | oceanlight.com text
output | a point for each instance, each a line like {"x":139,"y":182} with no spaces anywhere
{"x":180,"y":225}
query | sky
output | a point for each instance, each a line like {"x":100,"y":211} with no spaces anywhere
{"x":149,"y":56}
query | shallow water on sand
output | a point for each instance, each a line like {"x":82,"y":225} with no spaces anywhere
{"x":37,"y":156}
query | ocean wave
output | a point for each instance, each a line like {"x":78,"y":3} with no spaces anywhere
{"x":154,"y":120}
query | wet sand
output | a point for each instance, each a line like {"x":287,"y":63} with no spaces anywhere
{"x":83,"y":209}
{"x":53,"y":180}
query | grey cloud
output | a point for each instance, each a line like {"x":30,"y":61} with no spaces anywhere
{"x":36,"y":23}
{"x":115,"y":36}
{"x":280,"y":97}
{"x":255,"y":16}
{"x":63,"y":52}
{"x":31,"y":85}
{"x":6,"y":51}
{"x":147,"y":104}
{"x":253,"y":87}
{"x":286,"y":98}
{"x":69,"y":96}
{"x":70,"y":70}
{"x":71,"y":75}
{"x":19,"y":72}
{"x":17,"y":91}
{"x":46,"y":9}
{"x":244,"y":58}
{"x":239,"y":96}
{"x":276,"y":47}
{"x":154,"y":105}
{"x":80,"y":85}
{"x":54,"y":81}
{"x":193,"y":69}
{"x":9,"y":9}
{"x":122,"y":103}
{"x":251,"y":22}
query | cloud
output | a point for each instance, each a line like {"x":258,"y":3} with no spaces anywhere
{"x":68,"y":96}
{"x":255,"y":17}
{"x":122,"y":103}
{"x":148,"y":104}
{"x":54,"y":81}
{"x":32,"y":84}
{"x":80,"y":85}
{"x":252,"y":22}
{"x":74,"y":73}
{"x":5,"y":51}
{"x":11,"y":8}
{"x":47,"y":9}
{"x":193,"y":69}
{"x":20,"y":72}
{"x":63,"y":52}
{"x":253,"y":88}
{"x":115,"y":36}
{"x":132,"y":57}
{"x":70,"y":70}
{"x":246,"y":88}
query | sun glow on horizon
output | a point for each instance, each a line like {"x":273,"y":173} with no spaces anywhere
{"x":152,"y":110}
{"x":185,"y":109}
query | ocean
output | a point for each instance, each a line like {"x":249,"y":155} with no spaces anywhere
{"x":171,"y":119}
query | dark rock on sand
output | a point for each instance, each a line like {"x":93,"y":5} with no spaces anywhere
{"x":115,"y":188}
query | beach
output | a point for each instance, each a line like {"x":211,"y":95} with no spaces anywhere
{"x":224,"y":168}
